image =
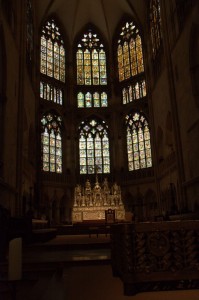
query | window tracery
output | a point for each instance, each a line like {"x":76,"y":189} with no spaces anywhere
{"x":94,"y":147}
{"x":52,"y":55}
{"x":51,"y":141}
{"x":91,"y":71}
{"x":130,"y":63}
{"x":138,"y":142}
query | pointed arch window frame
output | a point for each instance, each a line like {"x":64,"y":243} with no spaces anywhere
{"x":52,"y":51}
{"x":52,"y":88}
{"x":51,"y":142}
{"x":130,"y":59}
{"x":94,"y":146}
{"x":138,"y":139}
{"x":133,"y":87}
{"x":91,"y":59}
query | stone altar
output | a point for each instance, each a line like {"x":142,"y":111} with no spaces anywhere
{"x":90,"y":203}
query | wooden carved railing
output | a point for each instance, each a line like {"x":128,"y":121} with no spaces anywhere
{"x":156,"y":255}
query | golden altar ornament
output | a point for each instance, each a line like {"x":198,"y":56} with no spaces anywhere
{"x":91,"y":203}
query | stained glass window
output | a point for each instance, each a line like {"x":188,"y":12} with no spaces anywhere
{"x":51,"y":93}
{"x":134,"y":91}
{"x":51,"y":142}
{"x":129,"y":52}
{"x":138,"y":142}
{"x":52,"y":55}
{"x":91,"y":60}
{"x":92,"y":99}
{"x":155,"y":26}
{"x":91,"y":71}
{"x":94,"y":147}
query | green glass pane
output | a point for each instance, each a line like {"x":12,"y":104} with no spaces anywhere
{"x":142,"y":154}
{"x":45,"y":149}
{"x":45,"y":140}
{"x":90,"y":153}
{"x":45,"y":157}
{"x":148,"y":153}
{"x":45,"y":167}
{"x":82,"y":153}
{"x":135,"y":139}
{"x":59,"y":152}
{"x":58,"y":168}
{"x":149,"y":162}
{"x":131,"y":166}
{"x":83,"y":170}
{"x":52,"y":158}
{"x":97,"y":145}
{"x":52,"y":150}
{"x":58,"y":143}
{"x":105,"y":152}
{"x":147,"y":144}
{"x":88,"y":100}
{"x":90,"y":161}
{"x":90,"y":145}
{"x":143,"y":163}
{"x":82,"y":161}
{"x":130,"y":156}
{"x":136,"y":155}
{"x":82,"y":145}
{"x":136,"y":165}
{"x":106,"y":160}
{"x":52,"y":141}
{"x":106,"y":169}
{"x":98,"y":160}
{"x":141,"y":145}
{"x":140,"y":135}
{"x":98,"y":153}
{"x":52,"y":167}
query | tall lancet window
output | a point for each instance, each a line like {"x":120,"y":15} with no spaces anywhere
{"x":94,"y":147}
{"x":138,"y":142}
{"x":51,"y":141}
{"x":52,"y":63}
{"x":155,"y":26}
{"x":130,"y":63}
{"x":91,"y":71}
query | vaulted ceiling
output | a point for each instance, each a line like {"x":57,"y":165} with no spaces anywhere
{"x":104,"y":14}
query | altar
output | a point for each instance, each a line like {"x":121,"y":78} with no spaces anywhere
{"x":92,"y":202}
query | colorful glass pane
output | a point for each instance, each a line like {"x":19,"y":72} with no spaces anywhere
{"x":129,"y":52}
{"x":138,"y":142}
{"x":51,"y":143}
{"x":52,"y":52}
{"x":93,"y":134}
{"x":91,"y":66}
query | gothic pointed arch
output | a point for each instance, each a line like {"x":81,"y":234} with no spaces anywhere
{"x":52,"y":62}
{"x":94,"y":153}
{"x":91,"y":69}
{"x":138,"y":141}
{"x":51,"y":142}
{"x":130,"y":61}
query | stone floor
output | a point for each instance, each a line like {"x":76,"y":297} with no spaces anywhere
{"x":62,"y":270}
